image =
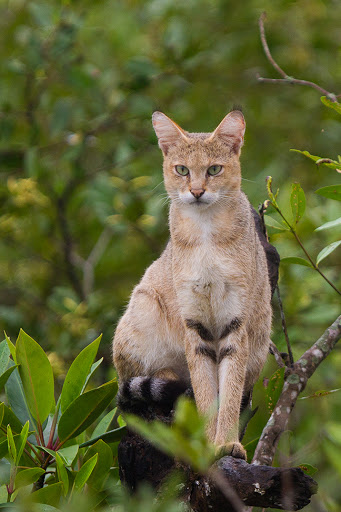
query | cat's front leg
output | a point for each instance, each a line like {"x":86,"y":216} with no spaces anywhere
{"x":232,"y":360}
{"x":202,"y":364}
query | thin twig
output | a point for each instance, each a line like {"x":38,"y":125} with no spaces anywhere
{"x":277,"y":355}
{"x":287,"y":79}
{"x":284,"y":325}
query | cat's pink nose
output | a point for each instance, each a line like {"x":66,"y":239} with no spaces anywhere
{"x":197,"y":192}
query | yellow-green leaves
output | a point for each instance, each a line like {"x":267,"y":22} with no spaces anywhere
{"x":36,"y":376}
{"x":297,"y":201}
{"x":335,"y":105}
{"x":274,"y":388}
{"x":185,"y":439}
{"x":332,"y":192}
{"x":327,"y":250}
{"x":294,"y":260}
{"x":77,"y":375}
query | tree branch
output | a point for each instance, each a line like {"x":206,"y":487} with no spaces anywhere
{"x":286,"y":78}
{"x":296,"y":378}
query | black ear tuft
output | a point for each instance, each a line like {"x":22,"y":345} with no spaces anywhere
{"x":236,"y":106}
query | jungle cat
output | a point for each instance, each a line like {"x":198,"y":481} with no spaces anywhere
{"x":201,"y":313}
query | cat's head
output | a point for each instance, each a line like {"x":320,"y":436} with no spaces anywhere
{"x":201,"y":169}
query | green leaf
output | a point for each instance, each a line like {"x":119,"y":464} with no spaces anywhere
{"x":62,"y":473}
{"x":5,"y":376}
{"x":308,"y":469}
{"x":327,"y":250}
{"x":293,"y":260}
{"x":12,"y":348}
{"x":272,"y":223}
{"x":332,"y":192}
{"x":2,"y":412}
{"x":36,"y":376}
{"x":4,"y":356}
{"x":84,"y":473}
{"x":27,"y":477}
{"x":274,"y":388}
{"x":10,"y":418}
{"x":69,"y":453}
{"x":330,"y":224}
{"x":328,"y":162}
{"x":16,"y":398}
{"x":335,"y":105}
{"x":78,"y":373}
{"x":297,"y":201}
{"x":84,"y":410}
{"x":12,"y":450}
{"x":49,"y":495}
{"x":104,"y":424}
{"x":103,"y":465}
{"x":109,"y":437}
{"x":23,"y":439}
{"x":319,"y":394}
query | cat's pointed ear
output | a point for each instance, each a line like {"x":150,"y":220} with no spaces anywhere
{"x":231,"y":130}
{"x":167,"y":132}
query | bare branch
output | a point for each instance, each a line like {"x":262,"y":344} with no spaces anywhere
{"x":276,"y":353}
{"x":286,"y":78}
{"x":296,"y":378}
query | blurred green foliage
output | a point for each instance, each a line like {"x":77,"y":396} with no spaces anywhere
{"x":83,"y":210}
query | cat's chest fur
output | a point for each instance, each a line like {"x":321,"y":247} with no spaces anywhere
{"x":207,"y":279}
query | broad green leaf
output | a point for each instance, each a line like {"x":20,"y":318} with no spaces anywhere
{"x":293,"y":260}
{"x":10,"y":418}
{"x":335,"y":105}
{"x":327,"y":250}
{"x":4,"y":356}
{"x":332,"y":192}
{"x":36,"y":376}
{"x":104,"y":424}
{"x":62,"y":473}
{"x":297,"y":201}
{"x":92,"y":371}
{"x":49,"y":495}
{"x":109,"y":437}
{"x":12,"y":450}
{"x":27,"y":477}
{"x":272,"y":223}
{"x":5,"y":376}
{"x":84,"y":473}
{"x":274,"y":388}
{"x":16,"y":397}
{"x":23,"y":439}
{"x":103,"y":465}
{"x":328,"y":162}
{"x":330,"y":224}
{"x":308,"y":469}
{"x":84,"y":410}
{"x":69,"y":453}
{"x":319,"y":394}
{"x":78,"y":373}
{"x":2,"y":412}
{"x":12,"y":348}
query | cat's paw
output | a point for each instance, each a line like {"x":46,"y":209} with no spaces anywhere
{"x":235,"y":449}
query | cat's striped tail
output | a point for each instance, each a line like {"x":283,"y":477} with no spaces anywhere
{"x":139,"y":393}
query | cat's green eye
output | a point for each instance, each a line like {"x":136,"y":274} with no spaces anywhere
{"x":182,"y":170}
{"x":214,"y":169}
